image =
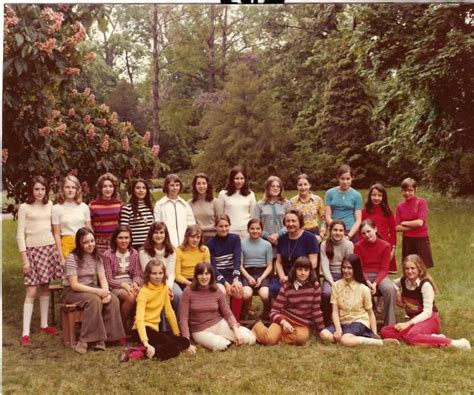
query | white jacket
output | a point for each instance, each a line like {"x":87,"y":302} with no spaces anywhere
{"x":177,"y":215}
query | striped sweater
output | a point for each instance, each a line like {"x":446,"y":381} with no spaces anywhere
{"x":226,"y":256}
{"x":139,"y":224}
{"x":299,"y":305}
{"x":105,"y":216}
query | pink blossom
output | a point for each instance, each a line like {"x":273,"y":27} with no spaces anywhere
{"x":106,"y":137}
{"x":125,"y":144}
{"x":155,"y":150}
{"x":47,"y":13}
{"x":104,"y":107}
{"x":72,"y":112}
{"x":105,"y":145}
{"x":11,"y":21}
{"x":91,"y":132}
{"x":55,"y":114}
{"x":102,"y":122}
{"x":91,"y":99}
{"x":90,"y":57}
{"x":72,"y":70}
{"x":47,"y":46}
{"x":61,"y":128}
{"x":87,"y":119}
{"x":87,"y":92}
{"x":113,"y":117}
{"x":44,"y":131}
{"x":4,"y":155}
{"x":57,"y":19}
{"x":147,"y":136}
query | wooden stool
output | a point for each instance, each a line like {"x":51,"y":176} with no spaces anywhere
{"x":54,"y":289}
{"x":71,"y":314}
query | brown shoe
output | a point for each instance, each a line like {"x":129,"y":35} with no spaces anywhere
{"x":80,"y":348}
{"x":99,"y":346}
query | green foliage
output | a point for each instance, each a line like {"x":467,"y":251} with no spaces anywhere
{"x":50,"y":128}
{"x":245,"y":128}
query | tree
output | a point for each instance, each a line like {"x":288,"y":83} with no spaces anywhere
{"x":50,"y":128}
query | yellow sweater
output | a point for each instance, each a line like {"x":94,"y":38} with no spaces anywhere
{"x":150,"y":302}
{"x":187,"y":259}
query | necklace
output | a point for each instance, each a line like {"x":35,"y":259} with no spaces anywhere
{"x":292,"y":250}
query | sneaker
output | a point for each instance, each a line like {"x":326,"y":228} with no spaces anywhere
{"x":25,"y":341}
{"x":438,"y":335}
{"x":80,"y":348}
{"x":390,"y":342}
{"x":99,"y":346}
{"x":462,"y":344}
{"x":50,"y":330}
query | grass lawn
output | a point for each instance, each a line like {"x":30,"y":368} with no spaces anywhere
{"x":48,"y":367}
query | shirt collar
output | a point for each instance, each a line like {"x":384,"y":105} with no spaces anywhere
{"x":297,"y":284}
{"x":351,"y":284}
{"x":311,"y":198}
{"x":416,"y":284}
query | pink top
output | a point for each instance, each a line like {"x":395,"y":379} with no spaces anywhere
{"x":201,"y":309}
{"x":385,"y":225}
{"x":111,"y":266}
{"x":409,"y":210}
{"x":375,"y":257}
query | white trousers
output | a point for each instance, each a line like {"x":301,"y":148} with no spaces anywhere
{"x":219,"y":336}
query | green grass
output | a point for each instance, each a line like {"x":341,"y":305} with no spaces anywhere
{"x":48,"y":367}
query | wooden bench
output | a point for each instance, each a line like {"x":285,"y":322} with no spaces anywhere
{"x":71,"y":315}
{"x":53,"y":290}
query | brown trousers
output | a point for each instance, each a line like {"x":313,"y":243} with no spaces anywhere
{"x":101,"y":322}
{"x":275,"y":334}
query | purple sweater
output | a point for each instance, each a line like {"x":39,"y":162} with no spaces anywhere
{"x":201,"y":309}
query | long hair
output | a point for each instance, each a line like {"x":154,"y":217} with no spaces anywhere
{"x":152,"y":263}
{"x":191,"y":230}
{"x":329,"y":242}
{"x":209,"y":191}
{"x":100,"y":184}
{"x":304,"y":262}
{"x":149,"y":245}
{"x":134,"y":200}
{"x":119,"y":229}
{"x":30,"y":198}
{"x":356,"y":264}
{"x":200,"y":268}
{"x":420,"y":265}
{"x":268,"y":183}
{"x":383,"y":204}
{"x":230,"y":187}
{"x":78,"y":197}
{"x":79,"y":252}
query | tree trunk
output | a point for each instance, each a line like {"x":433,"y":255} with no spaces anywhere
{"x":224,"y":44}
{"x":156,"y":74}
{"x":128,"y":67}
{"x":211,"y":46}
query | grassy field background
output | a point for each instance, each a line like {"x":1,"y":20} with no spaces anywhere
{"x":48,"y":367}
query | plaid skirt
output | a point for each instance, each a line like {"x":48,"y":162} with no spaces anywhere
{"x":44,"y":265}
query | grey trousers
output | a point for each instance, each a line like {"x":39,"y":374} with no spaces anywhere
{"x":389,"y":292}
{"x":101,"y":322}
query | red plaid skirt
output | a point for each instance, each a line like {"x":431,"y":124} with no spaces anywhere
{"x":44,"y":265}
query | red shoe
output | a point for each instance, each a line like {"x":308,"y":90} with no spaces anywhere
{"x":25,"y":341}
{"x":50,"y":330}
{"x":122,"y":340}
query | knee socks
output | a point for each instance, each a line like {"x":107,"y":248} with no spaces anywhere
{"x":27,"y":313}
{"x":44,"y":307}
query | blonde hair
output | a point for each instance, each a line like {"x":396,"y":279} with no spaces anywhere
{"x":420,"y":265}
{"x":78,"y":197}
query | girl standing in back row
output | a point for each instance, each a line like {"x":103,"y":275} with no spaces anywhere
{"x":41,"y":262}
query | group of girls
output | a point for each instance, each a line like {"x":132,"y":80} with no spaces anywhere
{"x":180,"y":259}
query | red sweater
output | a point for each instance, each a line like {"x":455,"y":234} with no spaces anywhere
{"x":374,"y":257}
{"x":300,"y":306}
{"x":201,"y":309}
{"x":409,"y":210}
{"x":385,"y":225}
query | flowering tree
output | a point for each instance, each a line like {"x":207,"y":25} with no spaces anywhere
{"x":49,"y":127}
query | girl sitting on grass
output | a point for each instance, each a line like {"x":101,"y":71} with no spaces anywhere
{"x":295,"y":308}
{"x":101,"y":316}
{"x":40,"y":256}
{"x":205,"y":315}
{"x":189,"y":254}
{"x":152,"y":299}
{"x":418,"y":292}
{"x":123,"y":272}
{"x":352,"y":314}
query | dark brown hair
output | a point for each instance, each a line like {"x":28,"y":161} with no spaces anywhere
{"x":329,"y":245}
{"x":119,"y":229}
{"x":304,"y":262}
{"x":200,"y":268}
{"x":30,"y":198}
{"x":357,"y":271}
{"x":254,"y":221}
{"x":134,"y":200}
{"x":149,"y":245}
{"x":79,"y":252}
{"x":384,"y":204}
{"x":154,"y":262}
{"x":209,"y":190}
{"x":344,"y":169}
{"x":298,"y":214}
{"x":230,"y":187}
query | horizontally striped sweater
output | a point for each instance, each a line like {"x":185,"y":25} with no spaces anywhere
{"x":105,"y":216}
{"x":299,"y":305}
{"x":139,"y":224}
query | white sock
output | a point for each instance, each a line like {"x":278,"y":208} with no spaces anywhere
{"x":462,"y":344}
{"x":27,"y":313}
{"x":44,"y":307}
{"x":369,"y":341}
